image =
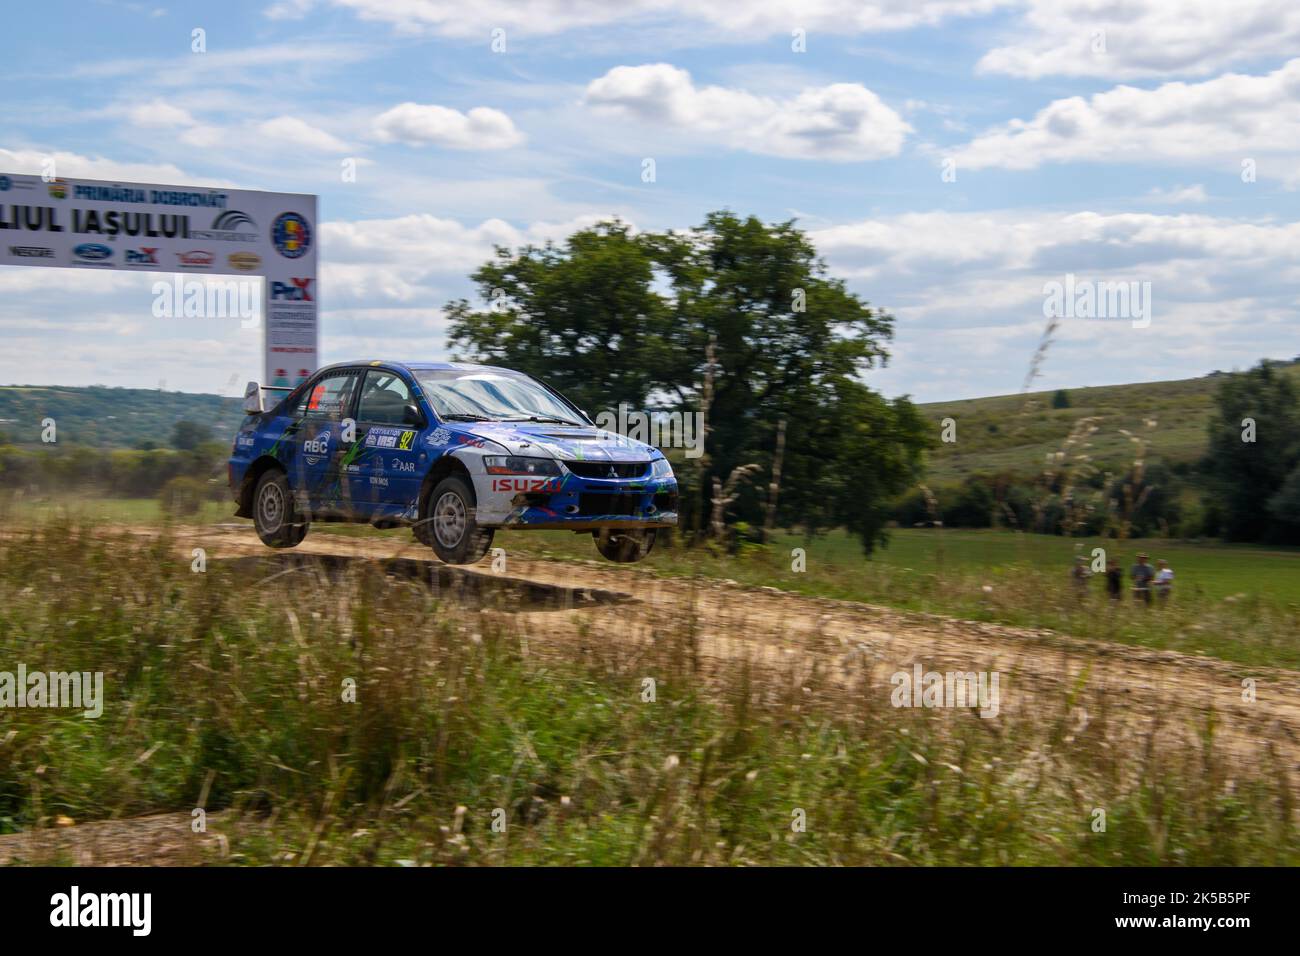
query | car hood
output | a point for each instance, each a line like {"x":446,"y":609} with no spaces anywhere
{"x":567,"y":443}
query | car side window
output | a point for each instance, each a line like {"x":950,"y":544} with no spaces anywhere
{"x":328,"y":399}
{"x":383,"y":399}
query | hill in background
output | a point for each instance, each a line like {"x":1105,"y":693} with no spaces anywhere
{"x":112,"y":417}
{"x":1016,"y":433}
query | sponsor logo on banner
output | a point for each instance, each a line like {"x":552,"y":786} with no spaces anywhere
{"x":291,"y":235}
{"x":31,"y":252}
{"x":93,"y":252}
{"x":295,"y":290}
{"x":144,"y":256}
{"x":5,"y":184}
{"x":225,"y":228}
{"x":58,"y":189}
{"x":244,"y":261}
{"x":196,"y":259}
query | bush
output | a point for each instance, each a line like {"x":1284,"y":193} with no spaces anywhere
{"x":182,"y":497}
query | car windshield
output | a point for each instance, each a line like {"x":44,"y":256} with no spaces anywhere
{"x":491,"y":395}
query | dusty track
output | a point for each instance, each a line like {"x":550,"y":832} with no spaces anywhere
{"x":1139,"y":691}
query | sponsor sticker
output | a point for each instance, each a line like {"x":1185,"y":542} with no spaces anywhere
{"x":390,"y":438}
{"x":525,"y":484}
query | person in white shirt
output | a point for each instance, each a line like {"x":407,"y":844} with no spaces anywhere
{"x":1164,"y":581}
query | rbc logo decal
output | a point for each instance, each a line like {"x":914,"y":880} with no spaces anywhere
{"x":317,"y":448}
{"x":291,"y":235}
{"x":295,"y":290}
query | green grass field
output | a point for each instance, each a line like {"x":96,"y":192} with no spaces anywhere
{"x":1236,"y":602}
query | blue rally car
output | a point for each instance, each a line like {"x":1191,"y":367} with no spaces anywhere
{"x":455,"y":451}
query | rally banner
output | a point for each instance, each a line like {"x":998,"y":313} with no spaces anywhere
{"x":183,"y":230}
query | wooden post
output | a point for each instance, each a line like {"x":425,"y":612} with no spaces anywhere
{"x":773,"y":489}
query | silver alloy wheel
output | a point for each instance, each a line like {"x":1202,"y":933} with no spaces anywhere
{"x":270,"y":507}
{"x":450,"y":519}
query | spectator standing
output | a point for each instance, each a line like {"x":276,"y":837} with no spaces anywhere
{"x":1114,"y":580}
{"x":1164,"y":582}
{"x":1142,"y":573}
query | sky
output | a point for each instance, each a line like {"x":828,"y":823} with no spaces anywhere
{"x":950,"y":160}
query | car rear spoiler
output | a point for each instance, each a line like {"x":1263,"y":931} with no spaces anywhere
{"x":253,"y":404}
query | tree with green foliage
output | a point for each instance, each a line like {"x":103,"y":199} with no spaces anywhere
{"x":1254,"y":446}
{"x":1284,"y":507}
{"x":1060,"y":399}
{"x":187,"y":435}
{"x":612,"y":316}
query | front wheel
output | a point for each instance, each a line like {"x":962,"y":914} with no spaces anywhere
{"x":274,"y":515}
{"x":624,"y":547}
{"x":449,"y":523}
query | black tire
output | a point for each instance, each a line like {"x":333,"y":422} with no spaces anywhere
{"x":625,"y":547}
{"x":448,"y":523}
{"x":274,"y":515}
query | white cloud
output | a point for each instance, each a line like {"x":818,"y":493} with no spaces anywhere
{"x":292,"y":131}
{"x":30,"y":162}
{"x":242,"y":66}
{"x":1220,"y":122}
{"x":159,"y":114}
{"x":930,"y":244}
{"x":1146,"y":38}
{"x":844,"y":122}
{"x":419,"y":258}
{"x":751,"y":20}
{"x":1179,"y":195}
{"x":427,"y":124}
{"x":967,"y":292}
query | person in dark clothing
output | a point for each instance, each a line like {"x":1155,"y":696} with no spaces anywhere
{"x":1142,"y":573}
{"x":1114,"y":580}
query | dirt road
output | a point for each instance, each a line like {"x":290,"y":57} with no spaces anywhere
{"x":1139,"y":692}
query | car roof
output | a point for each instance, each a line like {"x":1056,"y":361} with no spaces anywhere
{"x":419,"y":366}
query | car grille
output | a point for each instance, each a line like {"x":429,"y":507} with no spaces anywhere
{"x":602,"y":469}
{"x":592,"y":504}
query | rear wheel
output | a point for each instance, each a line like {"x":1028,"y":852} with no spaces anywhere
{"x":274,"y":515}
{"x":449,"y":524}
{"x":624,"y":547}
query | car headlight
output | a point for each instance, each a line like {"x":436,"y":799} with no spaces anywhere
{"x":661,"y":469}
{"x":516,"y":465}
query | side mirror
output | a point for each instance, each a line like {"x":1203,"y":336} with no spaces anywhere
{"x":411,"y":415}
{"x":253,"y":398}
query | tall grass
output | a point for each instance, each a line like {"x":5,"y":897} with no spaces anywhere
{"x":229,"y":683}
